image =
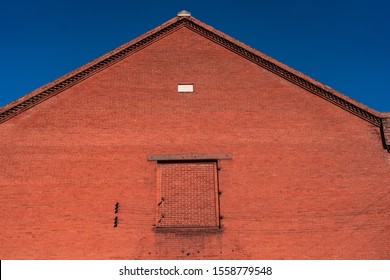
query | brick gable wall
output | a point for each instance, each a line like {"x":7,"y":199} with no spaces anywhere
{"x":308,"y":179}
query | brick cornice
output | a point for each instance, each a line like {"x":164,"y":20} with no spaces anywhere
{"x":288,"y":73}
{"x":216,"y":36}
{"x":88,"y":70}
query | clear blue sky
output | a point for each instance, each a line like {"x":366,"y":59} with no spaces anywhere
{"x":344,"y":44}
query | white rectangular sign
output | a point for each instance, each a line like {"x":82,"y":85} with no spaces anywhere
{"x":185,"y":88}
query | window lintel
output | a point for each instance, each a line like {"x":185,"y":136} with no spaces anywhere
{"x":171,"y":157}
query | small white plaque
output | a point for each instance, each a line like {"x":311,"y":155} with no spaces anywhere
{"x":185,"y":88}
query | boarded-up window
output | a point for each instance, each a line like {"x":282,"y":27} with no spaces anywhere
{"x":188,"y":195}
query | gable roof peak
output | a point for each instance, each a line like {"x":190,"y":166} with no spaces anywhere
{"x":185,"y":19}
{"x":184,"y":13}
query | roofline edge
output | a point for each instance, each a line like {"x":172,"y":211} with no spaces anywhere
{"x":87,"y":70}
{"x":385,"y":131}
{"x":288,"y":73}
{"x":51,"y":89}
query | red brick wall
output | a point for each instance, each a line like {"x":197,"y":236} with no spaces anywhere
{"x":187,"y":195}
{"x":308,"y":180}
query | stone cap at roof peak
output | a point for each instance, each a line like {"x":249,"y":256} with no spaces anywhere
{"x":184,"y":13}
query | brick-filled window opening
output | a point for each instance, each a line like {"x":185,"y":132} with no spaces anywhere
{"x":188,"y":195}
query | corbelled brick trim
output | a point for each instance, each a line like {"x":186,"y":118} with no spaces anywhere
{"x":385,"y":131}
{"x":83,"y":74}
{"x":288,"y":75}
{"x":260,"y":59}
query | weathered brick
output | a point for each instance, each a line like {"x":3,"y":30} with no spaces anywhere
{"x":308,"y":180}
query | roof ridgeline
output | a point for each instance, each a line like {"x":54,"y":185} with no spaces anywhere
{"x":184,"y":18}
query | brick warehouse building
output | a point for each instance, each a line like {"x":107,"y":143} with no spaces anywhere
{"x":187,"y":144}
